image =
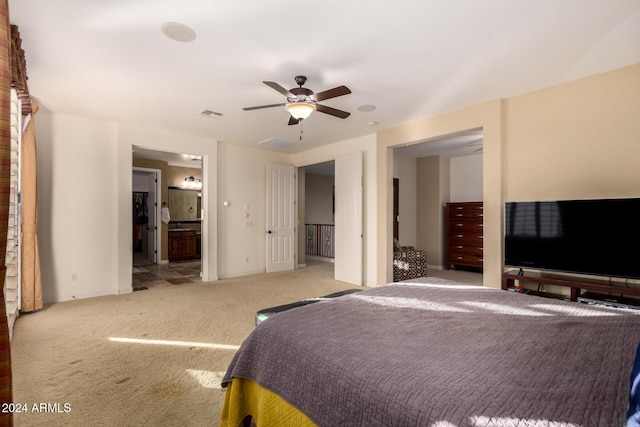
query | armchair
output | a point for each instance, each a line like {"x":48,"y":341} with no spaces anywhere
{"x":408,"y":262}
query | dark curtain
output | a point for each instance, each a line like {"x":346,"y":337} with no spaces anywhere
{"x":5,"y":169}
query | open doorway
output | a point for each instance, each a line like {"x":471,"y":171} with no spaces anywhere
{"x":432,"y":173}
{"x":339,"y":231}
{"x":146,"y":215}
{"x":176,"y":207}
{"x":317,"y":213}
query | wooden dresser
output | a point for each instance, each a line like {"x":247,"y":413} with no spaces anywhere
{"x":464,"y":234}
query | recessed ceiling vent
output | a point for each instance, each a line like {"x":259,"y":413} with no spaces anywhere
{"x":210,"y":114}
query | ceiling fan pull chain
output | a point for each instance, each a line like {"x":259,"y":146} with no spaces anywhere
{"x":301,"y":130}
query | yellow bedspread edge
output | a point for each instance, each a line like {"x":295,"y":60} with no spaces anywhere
{"x":245,"y":397}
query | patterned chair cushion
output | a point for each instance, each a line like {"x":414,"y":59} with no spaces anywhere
{"x":409,"y":263}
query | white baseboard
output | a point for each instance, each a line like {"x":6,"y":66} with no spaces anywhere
{"x":320,"y":258}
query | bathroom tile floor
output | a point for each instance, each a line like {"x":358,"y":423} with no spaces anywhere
{"x":147,"y":275}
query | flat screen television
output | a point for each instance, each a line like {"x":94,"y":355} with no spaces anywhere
{"x":595,"y":237}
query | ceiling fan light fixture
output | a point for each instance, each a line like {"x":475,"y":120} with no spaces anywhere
{"x":300,"y":110}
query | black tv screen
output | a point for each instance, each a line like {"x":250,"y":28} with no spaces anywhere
{"x":595,"y":237}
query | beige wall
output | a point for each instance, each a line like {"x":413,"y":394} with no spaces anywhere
{"x":319,"y":199}
{"x":576,"y":140}
{"x":404,"y":168}
{"x":466,"y":178}
{"x":77,"y":206}
{"x":177,"y":174}
{"x":434,"y":192}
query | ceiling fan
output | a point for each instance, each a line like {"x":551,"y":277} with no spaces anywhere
{"x":301,"y":102}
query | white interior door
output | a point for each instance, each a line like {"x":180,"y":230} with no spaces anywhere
{"x":280,"y":218}
{"x":348,"y":218}
{"x":152,"y":212}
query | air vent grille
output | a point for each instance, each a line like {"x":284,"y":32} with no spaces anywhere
{"x":210,"y":114}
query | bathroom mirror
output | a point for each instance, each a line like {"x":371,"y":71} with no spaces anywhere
{"x":185,"y":205}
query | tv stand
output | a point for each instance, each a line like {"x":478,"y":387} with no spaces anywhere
{"x":576,"y":284}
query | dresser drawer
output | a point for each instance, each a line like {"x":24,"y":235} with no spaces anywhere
{"x":464,"y":238}
{"x":465,"y":226}
{"x":476,"y":214}
{"x":466,"y":211}
{"x":465,"y":249}
{"x":465,"y":259}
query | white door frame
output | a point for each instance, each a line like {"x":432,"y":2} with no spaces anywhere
{"x":157,"y":215}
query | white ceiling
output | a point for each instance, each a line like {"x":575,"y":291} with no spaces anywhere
{"x":109,"y":60}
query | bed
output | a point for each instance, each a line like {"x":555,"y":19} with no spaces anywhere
{"x":433,"y":352}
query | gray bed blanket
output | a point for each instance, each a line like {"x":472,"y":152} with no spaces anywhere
{"x":431,"y":352}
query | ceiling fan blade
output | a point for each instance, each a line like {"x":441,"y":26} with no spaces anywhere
{"x":276,"y":86}
{"x":293,"y":121}
{"x":331,"y":93}
{"x":332,"y":111}
{"x":263,"y":106}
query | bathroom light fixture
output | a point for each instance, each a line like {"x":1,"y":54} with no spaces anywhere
{"x":300,"y":110}
{"x":192,"y":182}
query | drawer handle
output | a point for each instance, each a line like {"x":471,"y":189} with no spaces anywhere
{"x":460,"y":235}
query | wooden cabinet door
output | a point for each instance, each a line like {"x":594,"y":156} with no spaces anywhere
{"x":175,"y":244}
{"x":189,"y":245}
{"x":182,"y":245}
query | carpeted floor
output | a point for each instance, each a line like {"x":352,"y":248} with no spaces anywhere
{"x":105,"y":358}
{"x":150,"y":358}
